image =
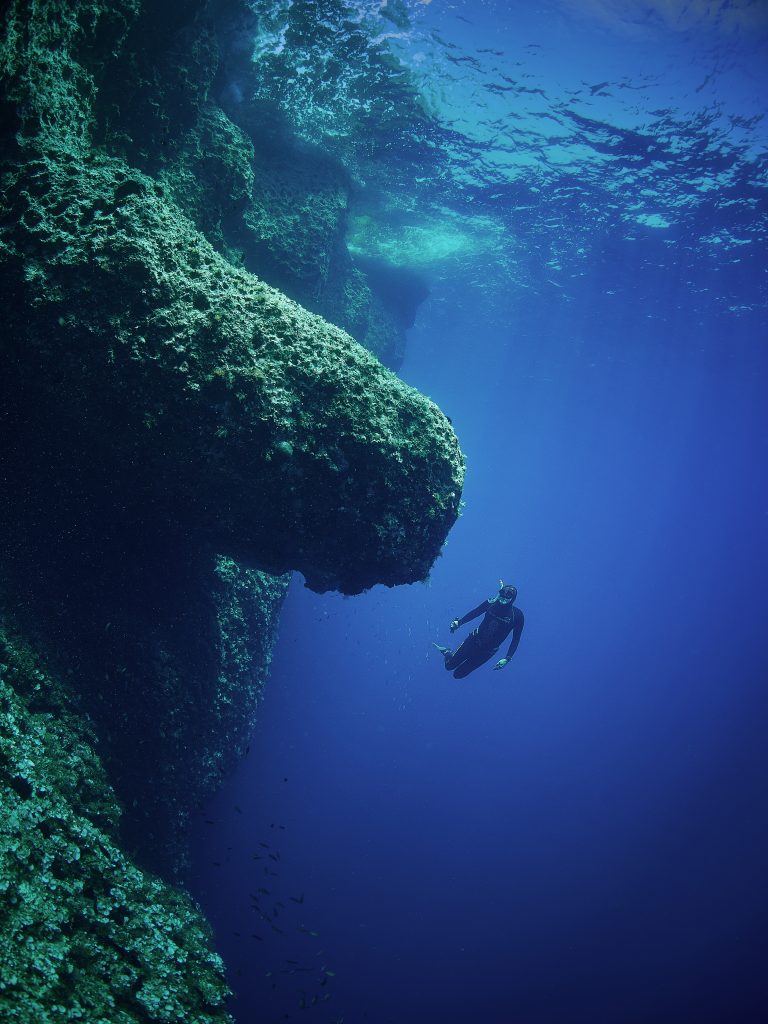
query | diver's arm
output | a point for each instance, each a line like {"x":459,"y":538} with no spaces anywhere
{"x":480,"y":610}
{"x":517,"y":630}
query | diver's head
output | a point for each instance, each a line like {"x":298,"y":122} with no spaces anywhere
{"x":507,"y":593}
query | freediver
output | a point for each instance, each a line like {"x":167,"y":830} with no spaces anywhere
{"x":500,"y":618}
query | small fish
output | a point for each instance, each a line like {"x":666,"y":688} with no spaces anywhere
{"x":255,"y":936}
{"x":297,"y":899}
{"x":238,"y":809}
{"x":273,"y":856}
{"x":263,"y":891}
{"x":276,"y":929}
{"x":265,"y":845}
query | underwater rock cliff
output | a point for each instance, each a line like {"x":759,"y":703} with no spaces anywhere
{"x":84,"y":933}
{"x":281,"y":440}
{"x":177,"y":435}
{"x":277,"y":439}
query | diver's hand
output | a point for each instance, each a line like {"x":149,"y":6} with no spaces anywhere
{"x":454,"y":625}
{"x":501,"y":664}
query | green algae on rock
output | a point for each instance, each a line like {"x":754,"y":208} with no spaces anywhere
{"x":166,"y":363}
{"x":84,"y":934}
{"x":198,"y":374}
{"x":171,"y":426}
{"x":157,"y":399}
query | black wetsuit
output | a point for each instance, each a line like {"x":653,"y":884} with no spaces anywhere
{"x":482,"y":643}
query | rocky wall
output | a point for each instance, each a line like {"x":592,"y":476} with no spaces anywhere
{"x":85,"y":934}
{"x":177,"y":435}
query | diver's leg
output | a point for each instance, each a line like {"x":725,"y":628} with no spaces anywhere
{"x":476,"y":658}
{"x":466,"y":667}
{"x":462,"y":652}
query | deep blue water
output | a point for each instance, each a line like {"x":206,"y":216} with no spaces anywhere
{"x":581,"y":837}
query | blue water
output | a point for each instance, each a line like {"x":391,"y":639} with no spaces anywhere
{"x":582,"y":836}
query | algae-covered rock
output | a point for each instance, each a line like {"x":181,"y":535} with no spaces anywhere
{"x":297,"y":218}
{"x":276,"y":437}
{"x":84,"y":934}
{"x":171,"y":427}
{"x":169,"y":421}
{"x":211,"y":176}
{"x":267,"y":431}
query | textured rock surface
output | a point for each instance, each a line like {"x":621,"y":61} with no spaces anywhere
{"x":169,"y":662}
{"x":276,"y":437}
{"x":85,"y":935}
{"x":325,"y":94}
{"x":171,"y":426}
{"x":295,"y":237}
{"x":283,"y":441}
